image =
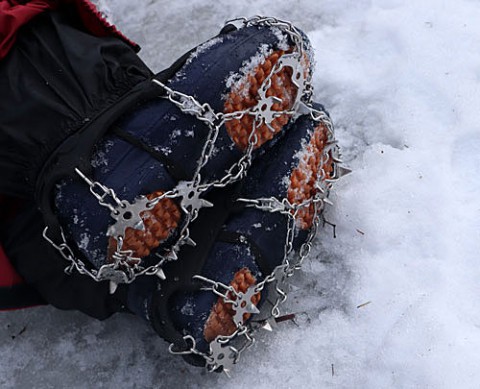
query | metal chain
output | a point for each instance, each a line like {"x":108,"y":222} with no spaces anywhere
{"x":281,"y":273}
{"x":102,"y":194}
{"x":204,"y":113}
{"x":217,"y":287}
{"x":225,"y":351}
{"x":278,"y":277}
{"x":192,"y":350}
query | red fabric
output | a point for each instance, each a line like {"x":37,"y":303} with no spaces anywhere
{"x":8,"y":275}
{"x":14,"y":14}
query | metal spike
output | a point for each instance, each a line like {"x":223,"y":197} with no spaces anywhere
{"x":84,"y":177}
{"x":267,"y":326}
{"x":190,"y":242}
{"x":237,"y":23}
{"x":343,"y":171}
{"x":302,"y":108}
{"x":139,"y":226}
{"x":251,"y":308}
{"x":293,"y":288}
{"x":327,"y":201}
{"x":160,"y":274}
{"x":277,"y":99}
{"x":270,"y":127}
{"x":205,"y":203}
{"x":319,"y":187}
{"x":172,"y":255}
{"x":112,"y":287}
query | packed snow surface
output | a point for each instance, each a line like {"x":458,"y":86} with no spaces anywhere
{"x":393,"y":300}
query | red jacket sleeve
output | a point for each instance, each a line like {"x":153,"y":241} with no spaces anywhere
{"x":13,"y":15}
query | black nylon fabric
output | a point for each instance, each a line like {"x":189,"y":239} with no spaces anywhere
{"x":61,"y":89}
{"x":43,"y":270}
{"x":55,"y":81}
{"x":18,"y":297}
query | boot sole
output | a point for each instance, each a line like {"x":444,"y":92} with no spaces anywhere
{"x":281,"y":87}
{"x":160,"y":222}
{"x":301,"y":189}
{"x":307,"y":173}
{"x":220,"y":321}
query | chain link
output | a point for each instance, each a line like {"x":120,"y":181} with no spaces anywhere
{"x":102,"y":193}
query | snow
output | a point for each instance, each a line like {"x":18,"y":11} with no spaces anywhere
{"x":283,"y":43}
{"x":239,"y":80}
{"x":392,"y":302}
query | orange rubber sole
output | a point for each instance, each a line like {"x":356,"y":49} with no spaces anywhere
{"x":220,"y":322}
{"x":306,"y":174}
{"x":159,"y":223}
{"x":245,"y":96}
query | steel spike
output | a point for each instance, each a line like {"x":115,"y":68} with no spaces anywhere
{"x":343,"y":171}
{"x":190,"y":242}
{"x":84,"y":177}
{"x":205,"y":203}
{"x":267,"y":327}
{"x":237,"y":23}
{"x":160,"y":274}
{"x":139,"y":226}
{"x":172,"y":255}
{"x":327,"y":201}
{"x":113,"y":287}
{"x":270,"y":127}
{"x":302,"y":108}
{"x":277,"y":99}
{"x":251,"y":308}
{"x":293,"y":288}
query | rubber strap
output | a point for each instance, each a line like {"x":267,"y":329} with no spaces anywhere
{"x":174,"y":170}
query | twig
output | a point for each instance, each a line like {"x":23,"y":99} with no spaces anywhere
{"x":334,"y":226}
{"x":364,"y":304}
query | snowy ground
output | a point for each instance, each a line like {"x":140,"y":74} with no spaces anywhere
{"x":402,"y":82}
